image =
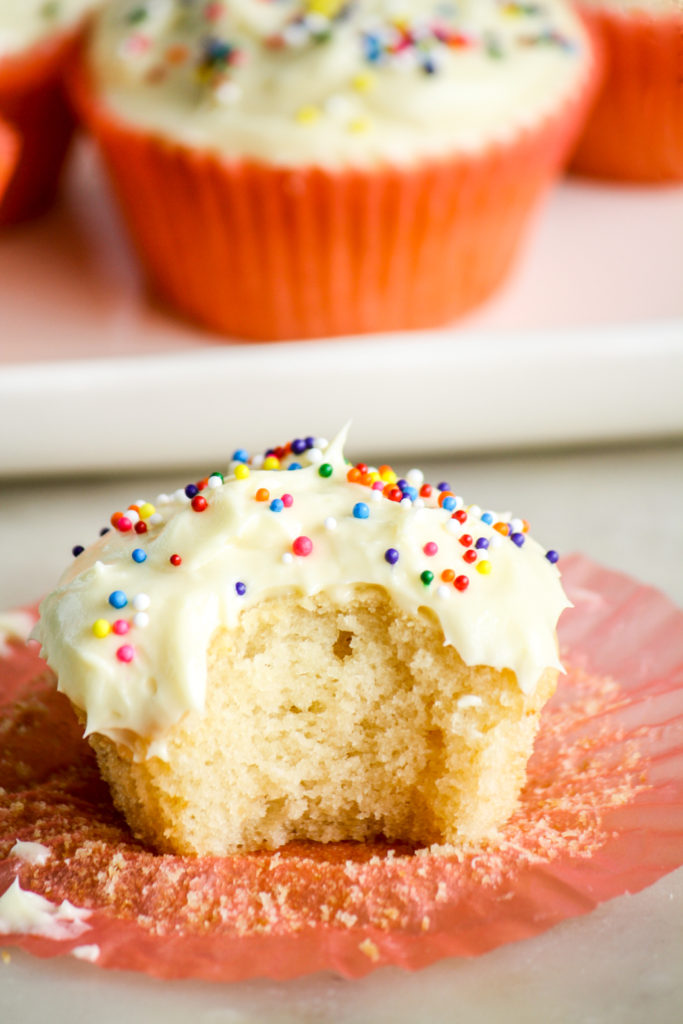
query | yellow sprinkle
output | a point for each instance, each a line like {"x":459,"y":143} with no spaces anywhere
{"x":308,"y":115}
{"x":242,"y":471}
{"x":388,"y":476}
{"x":271,"y":462}
{"x":328,"y":8}
{"x":484,"y":567}
{"x":101,"y":628}
{"x":147,"y":510}
{"x":358,"y":125}
{"x":363,"y":82}
{"x":374,"y":476}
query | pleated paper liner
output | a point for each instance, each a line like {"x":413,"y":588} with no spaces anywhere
{"x":261,"y":252}
{"x":601,"y":815}
{"x":635,"y":131}
{"x":33,"y":100}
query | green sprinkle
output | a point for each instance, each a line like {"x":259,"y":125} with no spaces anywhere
{"x":427,"y":576}
{"x":325,"y":470}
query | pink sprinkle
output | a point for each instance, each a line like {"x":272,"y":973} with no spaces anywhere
{"x":123,"y":523}
{"x":302,"y":546}
{"x":287,"y":500}
{"x":430,"y":548}
{"x":378,"y":485}
{"x":126,"y":652}
{"x":120,"y":627}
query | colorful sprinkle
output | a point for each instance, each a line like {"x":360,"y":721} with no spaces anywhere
{"x":101,"y":628}
{"x":518,"y":539}
{"x":242,"y":471}
{"x":126,"y":653}
{"x":325,"y":470}
{"x":430,"y":549}
{"x":552,"y":556}
{"x":263,"y":494}
{"x":276,"y":505}
{"x":199,"y":503}
{"x":484,"y":567}
{"x":120,"y":627}
{"x":77,"y":550}
{"x":287,"y":500}
{"x":427,"y":576}
{"x":461,"y":583}
{"x":302,"y":546}
{"x":117,"y":599}
{"x":141,"y":602}
{"x":138,"y":555}
{"x":361,"y":510}
{"x":175,"y":560}
{"x":240,"y":588}
{"x":391,"y":556}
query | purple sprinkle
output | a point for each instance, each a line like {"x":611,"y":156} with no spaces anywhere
{"x":105,"y":529}
{"x":310,"y":442}
{"x":77,"y":550}
{"x":482,"y":543}
{"x":443,"y":486}
{"x":552,"y":556}
{"x":391,"y":556}
{"x":191,"y":490}
{"x":241,"y":588}
{"x":518,"y":539}
{"x":298,"y":446}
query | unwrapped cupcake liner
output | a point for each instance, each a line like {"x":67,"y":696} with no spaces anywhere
{"x":601,"y":815}
{"x":261,"y":252}
{"x":635,"y":130}
{"x":34,"y":102}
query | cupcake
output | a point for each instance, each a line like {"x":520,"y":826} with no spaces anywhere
{"x":635,"y":131}
{"x":37,"y":40}
{"x":307,"y":649}
{"x":316,"y":167}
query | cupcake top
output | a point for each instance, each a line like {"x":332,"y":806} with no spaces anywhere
{"x":26,"y":22}
{"x":128,"y":629}
{"x":330,"y":82}
{"x":665,"y":7}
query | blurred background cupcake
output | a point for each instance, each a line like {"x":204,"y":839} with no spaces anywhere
{"x":37,"y":39}
{"x":635,"y":131}
{"x":317,"y":167}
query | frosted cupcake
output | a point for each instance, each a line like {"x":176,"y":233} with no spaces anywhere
{"x":307,"y":649}
{"x":635,"y":131}
{"x":315,"y":167}
{"x":37,"y":40}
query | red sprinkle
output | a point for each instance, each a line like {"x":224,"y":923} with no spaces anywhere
{"x":426,"y":491}
{"x":287,"y":500}
{"x":141,"y":527}
{"x":466,"y":540}
{"x":460,"y":515}
{"x":175,"y":560}
{"x":461,"y":582}
{"x":430,"y":548}
{"x":199,"y":503}
{"x":470,"y":556}
{"x":126,"y":652}
{"x":302,"y":546}
{"x":124,"y":524}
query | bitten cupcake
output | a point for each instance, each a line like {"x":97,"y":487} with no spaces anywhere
{"x":37,"y":40}
{"x":301,"y":648}
{"x":635,"y":131}
{"x":314,"y":167}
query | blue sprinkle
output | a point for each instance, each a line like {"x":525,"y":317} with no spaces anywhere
{"x":77,"y":550}
{"x":449,"y":503}
{"x":117,"y":599}
{"x":310,"y":442}
{"x":409,"y":492}
{"x":552,"y":556}
{"x":139,"y":555}
{"x":518,"y":539}
{"x":294,"y":465}
{"x":191,"y":490}
{"x":391,"y":556}
{"x":241,"y":455}
{"x":482,"y":543}
{"x":299,"y":446}
{"x":361,"y":510}
{"x":487,"y":518}
{"x":241,"y":588}
{"x":277,"y":505}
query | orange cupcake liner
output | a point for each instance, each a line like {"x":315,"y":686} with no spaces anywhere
{"x":34,"y":102}
{"x":9,"y":152}
{"x":635,"y":131}
{"x":269,"y":253}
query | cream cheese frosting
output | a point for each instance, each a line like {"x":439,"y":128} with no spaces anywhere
{"x":24,"y":23}
{"x":128,"y":629}
{"x":23,"y":912}
{"x":338,"y":82}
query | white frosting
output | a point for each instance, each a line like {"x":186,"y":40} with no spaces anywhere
{"x":330,"y":83}
{"x":31,"y":853}
{"x":505,"y":619}
{"x":15,"y":626}
{"x":90,"y":953}
{"x":26,"y":22}
{"x":27,"y":913}
{"x":656,"y":7}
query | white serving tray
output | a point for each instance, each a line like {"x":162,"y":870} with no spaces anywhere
{"x":585,"y":343}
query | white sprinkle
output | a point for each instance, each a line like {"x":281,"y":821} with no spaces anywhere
{"x":155,"y":519}
{"x":163,"y":499}
{"x":469,"y":700}
{"x":132,"y":515}
{"x":288,"y":558}
{"x":228,"y":93}
{"x":257,"y":461}
{"x":141,"y":602}
{"x":495,"y":540}
{"x":419,"y":503}
{"x":89,"y":953}
{"x":376,"y":495}
{"x":141,"y":620}
{"x":31,"y":853}
{"x":459,"y":502}
{"x":317,"y":23}
{"x":474,"y":510}
{"x":415,"y":477}
{"x":443,"y":591}
{"x":322,"y":443}
{"x":214,"y":482}
{"x":404,"y":503}
{"x":180,"y":495}
{"x":517,"y":525}
{"x":315,"y":456}
{"x":453,"y":526}
{"x":330,"y":523}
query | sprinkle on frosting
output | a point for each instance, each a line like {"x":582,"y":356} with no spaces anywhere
{"x":336,"y":525}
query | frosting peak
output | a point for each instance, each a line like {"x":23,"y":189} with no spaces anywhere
{"x":129,"y":626}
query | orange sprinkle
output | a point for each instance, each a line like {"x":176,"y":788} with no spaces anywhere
{"x":445,"y":494}
{"x":448,"y":575}
{"x":262,"y":494}
{"x":177,"y":54}
{"x":354,"y":475}
{"x":115,"y":516}
{"x":502,"y":528}
{"x":134,"y":508}
{"x":367,"y":479}
{"x":525,"y":526}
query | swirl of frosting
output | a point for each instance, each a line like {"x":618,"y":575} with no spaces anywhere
{"x":128,"y":629}
{"x":26,"y":22}
{"x":338,"y":82}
